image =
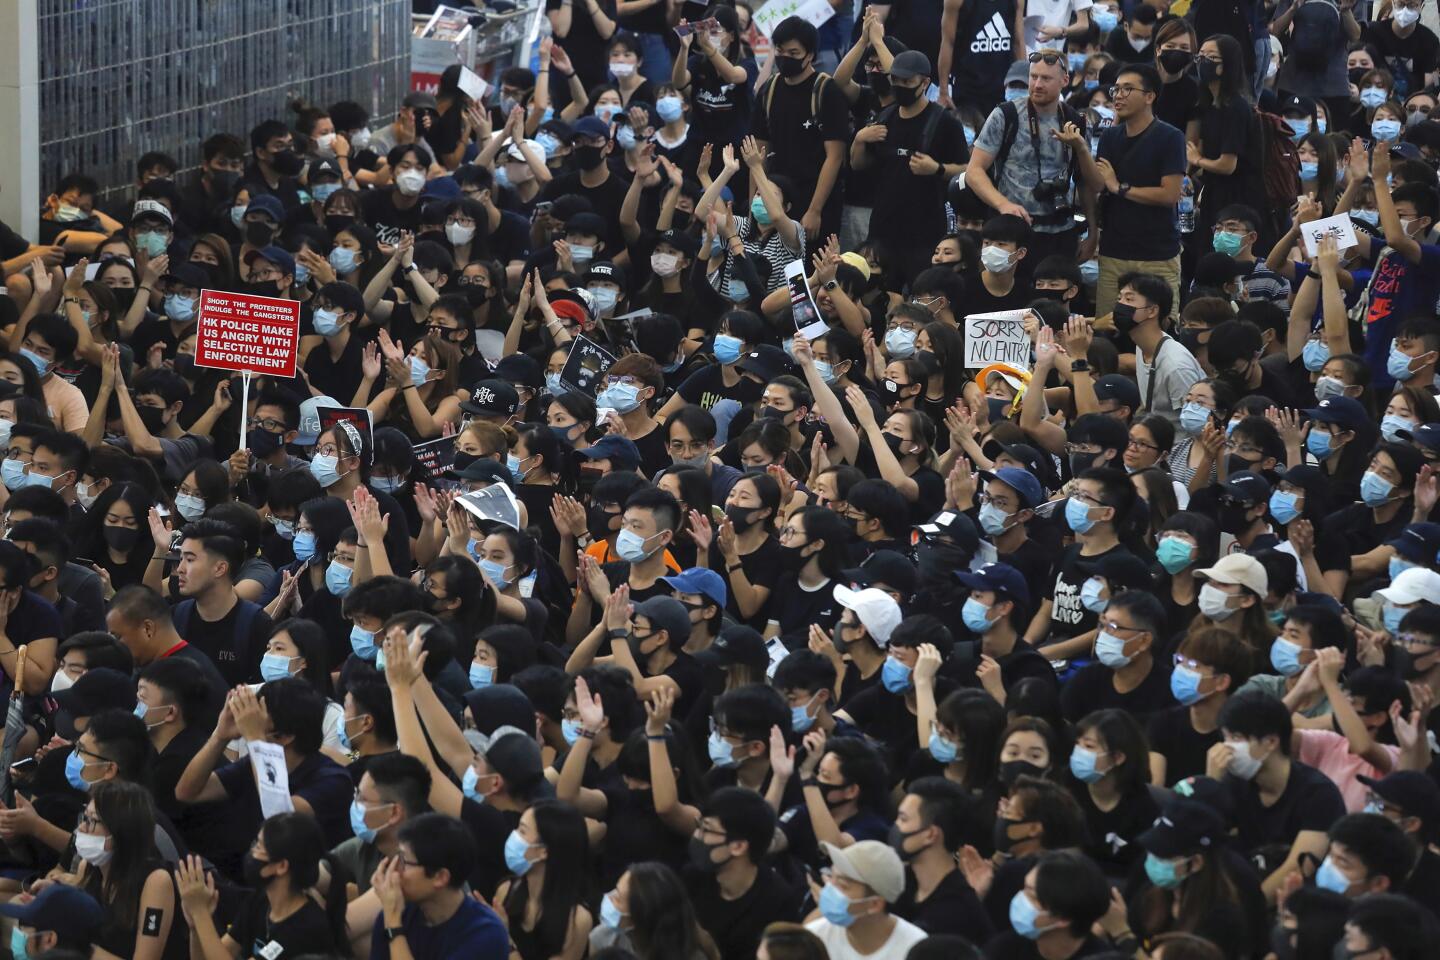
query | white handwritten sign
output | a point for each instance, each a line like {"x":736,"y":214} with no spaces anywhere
{"x":1338,"y":226}
{"x":998,"y":337}
{"x":768,"y":17}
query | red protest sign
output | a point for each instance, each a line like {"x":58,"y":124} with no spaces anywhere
{"x":238,"y":331}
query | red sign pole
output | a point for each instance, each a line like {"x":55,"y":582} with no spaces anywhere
{"x":249,"y":335}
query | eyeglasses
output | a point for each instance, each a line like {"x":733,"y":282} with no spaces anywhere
{"x":1048,"y":57}
{"x":1117,"y":91}
{"x":1135,"y":444}
{"x":267,"y":424}
{"x":1073,"y":448}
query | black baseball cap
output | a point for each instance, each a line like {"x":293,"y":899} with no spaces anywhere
{"x":1184,"y":827}
{"x":97,"y":690}
{"x":735,"y":646}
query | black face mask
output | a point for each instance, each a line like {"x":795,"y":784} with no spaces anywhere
{"x":185,"y":365}
{"x":879,"y":82}
{"x":597,"y":521}
{"x":791,"y":557}
{"x":1080,"y":462}
{"x":476,"y":295}
{"x":287,"y":163}
{"x":894,"y":443}
{"x":258,"y":233}
{"x":252,"y":870}
{"x":262,"y":442}
{"x":463,"y":460}
{"x":1003,"y":840}
{"x":335,"y":222}
{"x":1209,"y":70}
{"x":1124,"y":317}
{"x":897,"y":840}
{"x":937,"y":560}
{"x":1013,"y":770}
{"x":681,"y":220}
{"x":1174,"y":61}
{"x":589,"y":157}
{"x":740,"y":518}
{"x":998,"y":408}
{"x":789,"y":66}
{"x":120,"y":539}
{"x":700,"y":856}
{"x":1190,"y":339}
{"x":267,"y":288}
{"x":906,"y":96}
{"x":1357,"y":74}
{"x":222,"y":182}
{"x":153,"y":418}
{"x":1234,"y":463}
{"x":1232,"y":518}
{"x":124,"y":297}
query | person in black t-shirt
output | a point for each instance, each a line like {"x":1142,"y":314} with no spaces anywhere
{"x":280,"y":919}
{"x":930,"y":827}
{"x":213,"y":618}
{"x":394,"y":211}
{"x":1063,"y":896}
{"x":1129,"y":675}
{"x":1210,"y":665}
{"x":802,"y":122}
{"x":735,"y":895}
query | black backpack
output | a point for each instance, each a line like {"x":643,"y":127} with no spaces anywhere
{"x":1315,"y":34}
{"x":927,"y":133}
{"x":1011,"y":114}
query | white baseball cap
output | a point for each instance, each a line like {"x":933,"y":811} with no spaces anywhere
{"x":1411,"y":586}
{"x":876,"y":609}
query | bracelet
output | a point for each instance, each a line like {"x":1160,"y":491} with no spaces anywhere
{"x":144,"y":287}
{"x":732,"y":567}
{"x":408,"y":386}
{"x":587,"y":734}
{"x":617,"y":633}
{"x":656,"y":738}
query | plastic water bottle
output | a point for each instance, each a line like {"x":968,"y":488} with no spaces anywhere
{"x":1187,"y":206}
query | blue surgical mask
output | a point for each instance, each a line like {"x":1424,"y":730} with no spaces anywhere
{"x":326,"y":322}
{"x":1174,"y":554}
{"x":1016,"y":94}
{"x":1193,"y":417}
{"x":1375,"y":490}
{"x":736,"y":290}
{"x":581,"y":253}
{"x":759,"y":211}
{"x":496,"y":572}
{"x":325,"y":469}
{"x":302,"y":274}
{"x":515,"y":850}
{"x":304,"y":544}
{"x":74,"y":767}
{"x":623,"y":397}
{"x":1397,"y":566}
{"x":1090,"y":272}
{"x":976,"y":616}
{"x":800,"y":718}
{"x":469,"y":783}
{"x":1392,"y":616}
{"x":969,"y":136}
{"x":1110,"y":650}
{"x":178,"y":308}
{"x":670,"y":108}
{"x":1077,"y":515}
{"x":343,"y":260}
{"x":1185,"y":686}
{"x":625,"y":138}
{"x":1321,"y":124}
{"x":386,"y":484}
{"x":1309,"y":169}
{"x":992,"y":519}
{"x":727,"y":348}
{"x":835,"y":906}
{"x":237,"y":214}
{"x":1368,"y":217}
{"x":1082,"y":766}
{"x":570,"y":730}
{"x":1162,"y":873}
{"x":357,"y":823}
{"x":274,"y":667}
{"x":41,"y":365}
{"x":895,"y":676}
{"x":1315,"y":354}
{"x":151,"y":242}
{"x":1299,"y":126}
{"x":516,"y":467}
{"x":481,"y":675}
{"x":1318,"y":442}
{"x":825,"y":371}
{"x":362,"y":642}
{"x":942,"y":749}
{"x":1022,"y":912}
{"x":1076,"y":61}
{"x":900,"y":342}
{"x":1387,"y":130}
{"x":1285,"y":657}
{"x":1090,"y":597}
{"x":631,"y":546}
{"x":1329,"y":877}
{"x":321,"y":192}
{"x":419,"y":371}
{"x":190,"y":506}
{"x":1397,"y":364}
{"x":605,"y":298}
{"x":610,"y":915}
{"x":554,"y":384}
{"x":1391,"y":425}
{"x":722,"y":753}
{"x":337,"y":578}
{"x":19,"y":944}
{"x":1284,"y":506}
{"x":548,"y":142}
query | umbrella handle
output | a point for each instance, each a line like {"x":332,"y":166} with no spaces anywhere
{"x":20,"y":670}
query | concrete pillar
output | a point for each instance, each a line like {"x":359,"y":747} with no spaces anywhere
{"x":20,"y":116}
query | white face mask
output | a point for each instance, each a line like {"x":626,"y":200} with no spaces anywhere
{"x":1242,"y":764}
{"x":61,"y":681}
{"x":459,"y":234}
{"x":1214,"y":603}
{"x":410,"y":182}
{"x":91,"y":849}
{"x":83,"y":494}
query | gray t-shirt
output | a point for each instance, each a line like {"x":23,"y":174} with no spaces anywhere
{"x":1024,"y":168}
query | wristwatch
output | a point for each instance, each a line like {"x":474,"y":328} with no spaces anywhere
{"x":1124,"y":189}
{"x":392,"y":933}
{"x":411,"y":268}
{"x":1079,"y":366}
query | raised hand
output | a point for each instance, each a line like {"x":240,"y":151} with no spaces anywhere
{"x":701,"y":532}
{"x":658,"y":709}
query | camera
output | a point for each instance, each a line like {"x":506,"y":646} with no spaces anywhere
{"x":1053,"y":193}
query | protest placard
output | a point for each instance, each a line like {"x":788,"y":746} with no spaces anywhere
{"x":434,"y":457}
{"x":998,"y":337}
{"x":585,"y":366}
{"x":768,"y":17}
{"x":1338,"y":226}
{"x":246,"y":333}
{"x":808,"y":322}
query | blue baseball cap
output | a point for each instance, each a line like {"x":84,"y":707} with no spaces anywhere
{"x":58,"y":907}
{"x":1419,"y":542}
{"x":276,"y":255}
{"x":267,"y":204}
{"x":998,"y":577}
{"x":621,"y":452}
{"x":707,"y":583}
{"x":1021,"y":481}
{"x":592,"y":126}
{"x":1426,"y":435}
{"x":1345,"y":411}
